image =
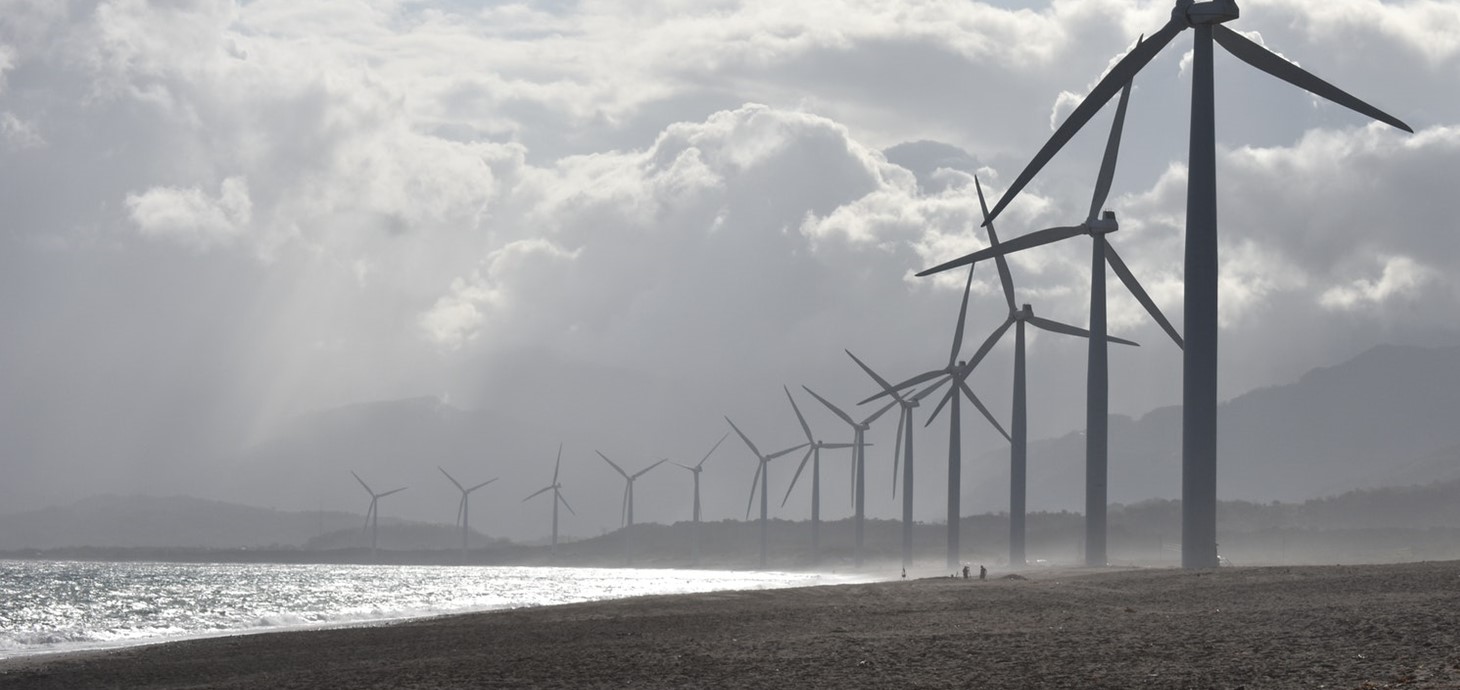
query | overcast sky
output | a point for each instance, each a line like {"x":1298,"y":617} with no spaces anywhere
{"x":221,"y":215}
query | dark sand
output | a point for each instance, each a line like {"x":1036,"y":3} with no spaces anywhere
{"x":1310,"y":627}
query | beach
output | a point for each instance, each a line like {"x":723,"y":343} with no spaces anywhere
{"x":1364,"y":626}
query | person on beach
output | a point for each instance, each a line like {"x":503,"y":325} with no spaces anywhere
{"x":983,"y":573}
{"x":965,"y":571}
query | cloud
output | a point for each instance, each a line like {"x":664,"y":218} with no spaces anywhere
{"x":190,"y":217}
{"x":1401,"y":277}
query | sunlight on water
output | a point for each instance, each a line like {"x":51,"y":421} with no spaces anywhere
{"x":50,"y":606}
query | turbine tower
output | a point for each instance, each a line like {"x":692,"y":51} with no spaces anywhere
{"x":462,"y":505}
{"x":859,"y":456}
{"x":556,"y":488}
{"x":372,"y":516}
{"x":902,"y":445}
{"x":695,"y":470}
{"x":1097,"y":389}
{"x":1199,"y":356}
{"x":813,"y":452}
{"x":955,"y":374}
{"x":761,"y":474}
{"x":626,"y":514}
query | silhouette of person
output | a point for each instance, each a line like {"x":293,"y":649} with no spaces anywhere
{"x":983,"y":573}
{"x":966,"y":571}
{"x":904,"y":573}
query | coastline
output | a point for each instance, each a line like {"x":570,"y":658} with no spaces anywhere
{"x":1334,"y":626}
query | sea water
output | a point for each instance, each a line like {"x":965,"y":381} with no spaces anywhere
{"x":51,"y":606}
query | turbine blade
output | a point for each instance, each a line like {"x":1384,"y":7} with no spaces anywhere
{"x":988,"y":344}
{"x":1020,"y":243}
{"x":392,"y":491}
{"x":684,"y":466}
{"x":799,"y":418}
{"x":1005,"y":278}
{"x":796,"y":476}
{"x":946,"y":397}
{"x":759,"y":467}
{"x":792,"y":449}
{"x":623,"y":511}
{"x":640,"y":473}
{"x":962,"y":317}
{"x":979,"y":404}
{"x":537,"y":493}
{"x":897,"y":450}
{"x":478,"y":486}
{"x":831,"y":407}
{"x":875,"y":415}
{"x":362,"y":483}
{"x":1112,"y":152}
{"x":1253,"y":54}
{"x":886,"y":387}
{"x":367,"y":515}
{"x":559,"y":496}
{"x":746,"y":439}
{"x":712,"y":450}
{"x":453,"y":479}
{"x":1123,"y":72}
{"x":925,"y":376}
{"x":620,"y":470}
{"x":836,"y":446}
{"x":1057,"y":327}
{"x":1134,"y":286}
{"x":460,"y":506}
{"x":558,"y":464}
{"x":928,"y":391}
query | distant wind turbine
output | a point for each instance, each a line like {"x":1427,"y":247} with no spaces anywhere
{"x":462,"y":505}
{"x":626,"y":514}
{"x":695,"y":470}
{"x":1097,"y":389}
{"x":373,"y":514}
{"x":903,"y":445}
{"x":762,"y":472}
{"x":813,"y":453}
{"x":1199,"y":360}
{"x":956,"y":375}
{"x":859,"y":457}
{"x":556,"y":488}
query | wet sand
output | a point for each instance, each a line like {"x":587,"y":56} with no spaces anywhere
{"x":1333,"y":627}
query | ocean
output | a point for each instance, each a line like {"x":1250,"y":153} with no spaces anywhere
{"x":56,"y":606}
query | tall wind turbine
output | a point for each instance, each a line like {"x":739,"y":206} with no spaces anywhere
{"x":695,"y":470}
{"x":1097,"y":389}
{"x":814,"y":454}
{"x":626,"y":516}
{"x":462,"y":505}
{"x":1199,"y":359}
{"x":556,"y":488}
{"x":903,"y":445}
{"x":761,"y":474}
{"x":372,"y":516}
{"x":955,"y":374}
{"x":859,"y":457}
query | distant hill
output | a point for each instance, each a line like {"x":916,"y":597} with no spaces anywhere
{"x":184,"y":522}
{"x":1390,"y":416}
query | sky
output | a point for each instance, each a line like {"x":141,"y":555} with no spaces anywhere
{"x":219,"y":216}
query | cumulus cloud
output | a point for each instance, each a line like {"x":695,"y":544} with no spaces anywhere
{"x":1400,"y":277}
{"x":190,"y":216}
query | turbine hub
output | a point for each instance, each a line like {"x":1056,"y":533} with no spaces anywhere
{"x":1026,"y":312}
{"x":1214,"y":12}
{"x":1105,"y":225}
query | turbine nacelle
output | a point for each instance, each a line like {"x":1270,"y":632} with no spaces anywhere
{"x":1024,"y":314}
{"x":1206,"y":13}
{"x":1105,"y":225}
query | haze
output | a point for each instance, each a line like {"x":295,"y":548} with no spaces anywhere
{"x":239,"y":235}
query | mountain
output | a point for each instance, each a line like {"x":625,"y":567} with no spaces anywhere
{"x":1388,"y":417}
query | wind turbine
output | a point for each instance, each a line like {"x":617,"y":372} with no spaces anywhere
{"x":695,"y":470}
{"x":761,"y":474}
{"x":1097,"y":389}
{"x":556,"y":488}
{"x":814,"y":454}
{"x":461,"y":506}
{"x":904,"y":445}
{"x":859,"y":456}
{"x":956,"y":374}
{"x":626,"y":515}
{"x":372,"y":515}
{"x":1199,"y":357}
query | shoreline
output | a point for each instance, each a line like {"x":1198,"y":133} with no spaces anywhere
{"x":1300,"y":626}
